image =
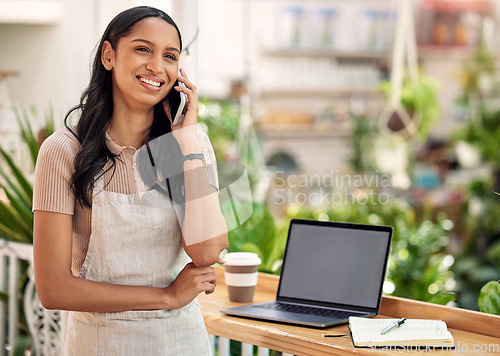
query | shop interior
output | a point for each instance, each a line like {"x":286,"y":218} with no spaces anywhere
{"x":379,"y":112}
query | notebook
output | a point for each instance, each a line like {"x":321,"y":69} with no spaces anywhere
{"x":330,"y":271}
{"x":414,"y":332}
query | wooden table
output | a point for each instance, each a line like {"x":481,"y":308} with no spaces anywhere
{"x":474,"y":333}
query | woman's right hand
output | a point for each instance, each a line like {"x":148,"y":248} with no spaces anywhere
{"x":190,"y":282}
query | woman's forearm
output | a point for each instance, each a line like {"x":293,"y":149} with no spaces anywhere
{"x":204,"y":228}
{"x":78,"y":294}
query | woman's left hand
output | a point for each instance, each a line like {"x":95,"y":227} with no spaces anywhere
{"x":185,"y":132}
{"x":220,"y":261}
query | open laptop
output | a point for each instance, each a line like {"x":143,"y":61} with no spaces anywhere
{"x":330,"y":271}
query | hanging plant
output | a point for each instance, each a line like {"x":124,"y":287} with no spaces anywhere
{"x":420,"y":99}
{"x":412,"y":102}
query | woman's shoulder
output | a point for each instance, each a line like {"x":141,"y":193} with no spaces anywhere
{"x":54,"y":167}
{"x":62,"y":141}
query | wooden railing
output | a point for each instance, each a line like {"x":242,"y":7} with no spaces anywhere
{"x":220,"y":347}
{"x":471,"y":330}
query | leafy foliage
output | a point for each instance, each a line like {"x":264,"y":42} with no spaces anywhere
{"x":479,"y":260}
{"x":361,"y":141}
{"x":221,"y":120}
{"x":489,"y":299}
{"x":16,"y":217}
{"x":259,"y":235}
{"x":29,"y":138}
{"x":475,"y":69}
{"x":484,"y":135}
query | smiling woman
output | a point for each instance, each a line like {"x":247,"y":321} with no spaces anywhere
{"x":148,"y":56}
{"x":128,"y":272}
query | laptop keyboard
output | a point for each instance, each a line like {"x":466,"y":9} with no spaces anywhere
{"x":301,"y":309}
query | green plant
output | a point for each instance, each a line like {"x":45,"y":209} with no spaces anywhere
{"x":480,"y":91}
{"x":483,"y":135}
{"x":259,"y":235}
{"x":489,"y":296}
{"x":361,"y":141}
{"x":478,"y":261}
{"x":419,"y":97}
{"x":477,"y":71}
{"x":221,"y":120}
{"x":489,"y":299}
{"x":16,"y":217}
{"x":482,"y":221}
{"x":419,"y":267}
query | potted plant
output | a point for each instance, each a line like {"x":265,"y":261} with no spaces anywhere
{"x":420,"y":99}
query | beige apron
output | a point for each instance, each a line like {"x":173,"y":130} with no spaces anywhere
{"x":135,"y":244}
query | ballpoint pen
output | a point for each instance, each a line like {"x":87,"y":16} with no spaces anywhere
{"x":397,"y":323}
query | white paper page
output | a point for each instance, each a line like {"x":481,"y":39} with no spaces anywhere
{"x":368,"y":330}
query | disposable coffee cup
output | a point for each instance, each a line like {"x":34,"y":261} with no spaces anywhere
{"x":241,"y":275}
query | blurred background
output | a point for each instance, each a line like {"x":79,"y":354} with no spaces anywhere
{"x":371,"y":111}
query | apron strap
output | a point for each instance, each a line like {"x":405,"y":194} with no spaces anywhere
{"x":158,"y":186}
{"x":98,"y":184}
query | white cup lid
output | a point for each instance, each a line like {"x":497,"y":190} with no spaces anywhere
{"x":242,"y":259}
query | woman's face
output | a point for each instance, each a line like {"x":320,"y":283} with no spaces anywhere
{"x":144,"y":64}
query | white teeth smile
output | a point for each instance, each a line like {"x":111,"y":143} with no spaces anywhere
{"x":149,"y":81}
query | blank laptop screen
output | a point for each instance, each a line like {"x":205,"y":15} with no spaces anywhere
{"x":334,"y":264}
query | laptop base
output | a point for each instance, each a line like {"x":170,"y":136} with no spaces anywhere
{"x":253,"y":311}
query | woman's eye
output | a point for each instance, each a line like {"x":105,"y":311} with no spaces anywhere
{"x":170,"y":56}
{"x":142,"y":49}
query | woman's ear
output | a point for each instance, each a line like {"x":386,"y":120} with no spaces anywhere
{"x":107,"y":55}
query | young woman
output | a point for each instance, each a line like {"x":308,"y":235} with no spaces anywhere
{"x":127,"y":272}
